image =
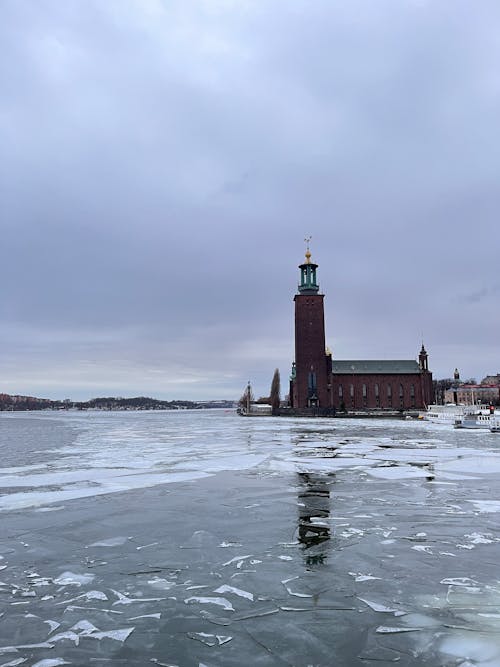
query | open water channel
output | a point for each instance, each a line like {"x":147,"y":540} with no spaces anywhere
{"x":202,"y":539}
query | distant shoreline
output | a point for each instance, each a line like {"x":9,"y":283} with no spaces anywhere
{"x":15,"y":403}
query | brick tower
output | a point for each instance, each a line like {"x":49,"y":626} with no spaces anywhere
{"x":310,"y":381}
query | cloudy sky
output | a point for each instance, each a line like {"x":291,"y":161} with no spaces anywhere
{"x":163,"y":160}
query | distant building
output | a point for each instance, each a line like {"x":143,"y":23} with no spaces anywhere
{"x":492,"y":380}
{"x":321,"y":383}
{"x":472,"y":394}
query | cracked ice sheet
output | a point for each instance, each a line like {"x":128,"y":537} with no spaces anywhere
{"x":113,"y":482}
{"x":398,"y":472}
{"x":236,"y":591}
{"x":376,"y":606}
{"x":318,"y":465}
{"x":221,"y":602}
{"x":485,"y":506}
{"x":72,"y":579}
{"x":488,"y":462}
{"x":111,"y":542}
{"x":349,"y":494}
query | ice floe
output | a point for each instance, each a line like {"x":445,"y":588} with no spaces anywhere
{"x":236,"y":591}
{"x":72,"y":579}
{"x":221,"y":602}
{"x":209,"y":639}
{"x":359,"y":576}
{"x":111,"y":542}
{"x":376,"y":606}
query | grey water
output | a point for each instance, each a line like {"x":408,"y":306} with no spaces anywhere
{"x":199,"y":538}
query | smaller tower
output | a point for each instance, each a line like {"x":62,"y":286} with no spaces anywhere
{"x":423,"y":359}
{"x":456,"y":375}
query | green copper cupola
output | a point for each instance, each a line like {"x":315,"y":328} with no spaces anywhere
{"x":308,"y":282}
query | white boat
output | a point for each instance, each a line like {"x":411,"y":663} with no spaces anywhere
{"x":443,"y":414}
{"x":495,"y":424}
{"x":478,"y":419}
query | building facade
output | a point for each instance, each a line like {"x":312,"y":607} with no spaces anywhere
{"x":473,"y":394}
{"x":321,"y":383}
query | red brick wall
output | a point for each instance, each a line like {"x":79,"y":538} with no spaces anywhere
{"x":310,"y":349}
{"x":419,"y":399}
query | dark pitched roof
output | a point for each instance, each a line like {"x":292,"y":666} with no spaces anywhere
{"x":375,"y":366}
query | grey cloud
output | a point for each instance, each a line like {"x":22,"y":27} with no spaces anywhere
{"x":162,"y":162}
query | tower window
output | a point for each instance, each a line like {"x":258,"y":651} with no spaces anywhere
{"x":311,"y":383}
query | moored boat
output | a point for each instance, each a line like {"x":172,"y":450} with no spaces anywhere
{"x":443,"y":414}
{"x":495,"y":424}
{"x":477,"y":418}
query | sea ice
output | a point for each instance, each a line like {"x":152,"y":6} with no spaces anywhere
{"x":15,"y":649}
{"x":53,"y":625}
{"x":458,"y":581}
{"x":382,"y":608}
{"x":89,"y":595}
{"x":117,"y":635}
{"x":124,"y":599}
{"x":294,"y":593}
{"x":486,"y":505}
{"x":85,"y":627}
{"x":222,"y":602}
{"x":209,"y":639}
{"x":359,"y":576}
{"x":162,"y":584}
{"x":72,"y":579}
{"x":423,"y":548}
{"x":387,"y":630}
{"x":478,"y":538}
{"x":71,"y":636}
{"x":475,"y":648}
{"x":111,"y":542}
{"x":237,"y":591}
{"x":236,"y":559}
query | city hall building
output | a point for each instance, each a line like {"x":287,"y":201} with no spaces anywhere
{"x":324,"y":385}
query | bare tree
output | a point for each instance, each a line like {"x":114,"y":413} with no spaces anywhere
{"x":275,"y":393}
{"x":246,"y":399}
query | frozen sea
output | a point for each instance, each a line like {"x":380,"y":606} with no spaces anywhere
{"x":203,"y":539}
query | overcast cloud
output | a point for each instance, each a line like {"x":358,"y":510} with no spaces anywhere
{"x":163,"y":160}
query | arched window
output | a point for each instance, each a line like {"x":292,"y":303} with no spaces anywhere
{"x":351,"y":391}
{"x":341,"y":391}
{"x":377,"y":396}
{"x":401,"y":396}
{"x":365,"y":396}
{"x":412,"y":395}
{"x":389,"y":395}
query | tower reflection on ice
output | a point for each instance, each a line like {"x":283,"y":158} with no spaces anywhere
{"x":314,"y":513}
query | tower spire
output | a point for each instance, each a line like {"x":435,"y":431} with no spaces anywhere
{"x":423,"y":359}
{"x":307,"y":241}
{"x":308,"y":282}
